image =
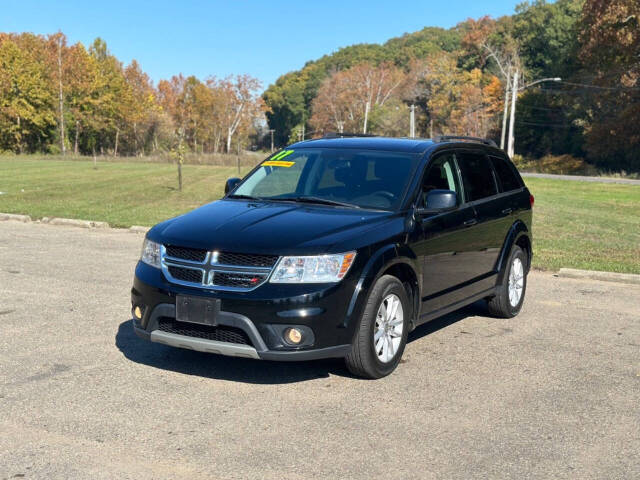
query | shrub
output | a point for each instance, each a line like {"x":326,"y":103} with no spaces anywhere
{"x":559,"y":164}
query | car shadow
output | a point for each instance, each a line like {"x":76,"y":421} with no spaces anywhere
{"x":220,"y":367}
{"x":478,"y":308}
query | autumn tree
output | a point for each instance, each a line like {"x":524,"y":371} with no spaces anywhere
{"x":610,"y":51}
{"x":27,"y":112}
{"x":106,"y":108}
{"x":78,"y":72}
{"x":240,"y":102}
{"x":139,"y":108}
{"x":347,"y":98}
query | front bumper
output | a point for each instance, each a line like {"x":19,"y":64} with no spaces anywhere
{"x":260,"y":316}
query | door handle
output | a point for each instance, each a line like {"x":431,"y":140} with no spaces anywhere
{"x":470,"y":223}
{"x":507,"y":211}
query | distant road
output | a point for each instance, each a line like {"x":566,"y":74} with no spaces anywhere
{"x":582,"y":178}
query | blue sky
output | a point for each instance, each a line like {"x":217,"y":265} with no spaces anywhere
{"x":262,"y":38}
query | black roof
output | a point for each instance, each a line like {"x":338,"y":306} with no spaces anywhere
{"x":409,"y":145}
{"x":414,"y":145}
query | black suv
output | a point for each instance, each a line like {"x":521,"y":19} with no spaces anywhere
{"x":339,"y":247}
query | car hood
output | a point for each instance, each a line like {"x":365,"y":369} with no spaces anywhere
{"x":273,"y":227}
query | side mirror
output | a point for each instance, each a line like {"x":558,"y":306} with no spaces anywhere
{"x":439,"y":201}
{"x":231,"y":184}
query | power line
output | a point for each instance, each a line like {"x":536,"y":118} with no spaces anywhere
{"x":548,"y":125}
{"x":598,"y":87}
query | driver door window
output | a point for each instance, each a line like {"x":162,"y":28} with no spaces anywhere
{"x":441,"y":175}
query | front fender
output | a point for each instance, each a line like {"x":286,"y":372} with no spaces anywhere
{"x":384,"y":258}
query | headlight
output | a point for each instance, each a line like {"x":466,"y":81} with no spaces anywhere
{"x":150,"y":253}
{"x":318,"y":269}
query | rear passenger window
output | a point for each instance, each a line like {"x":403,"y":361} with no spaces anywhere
{"x":477,"y":176}
{"x":506,"y":174}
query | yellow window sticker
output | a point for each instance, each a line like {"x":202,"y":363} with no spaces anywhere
{"x":278,"y":163}
{"x":276,"y":160}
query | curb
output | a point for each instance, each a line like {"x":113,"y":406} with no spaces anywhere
{"x":15,"y":217}
{"x":628,"y":278}
{"x":69,"y":222}
{"x":74,"y":223}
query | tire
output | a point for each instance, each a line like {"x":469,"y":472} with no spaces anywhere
{"x":503,"y":305}
{"x":363,"y":360}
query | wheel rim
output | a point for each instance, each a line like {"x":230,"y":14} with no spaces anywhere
{"x":516,"y":282}
{"x":387,"y":334}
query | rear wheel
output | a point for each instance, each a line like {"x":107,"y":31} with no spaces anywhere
{"x":510,"y":294}
{"x":382,"y":333}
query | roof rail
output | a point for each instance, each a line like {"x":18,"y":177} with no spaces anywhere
{"x":346,"y":134}
{"x":446,"y":138}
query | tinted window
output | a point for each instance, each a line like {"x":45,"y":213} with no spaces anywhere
{"x":441,"y":175}
{"x":506,"y":175}
{"x":477,"y":176}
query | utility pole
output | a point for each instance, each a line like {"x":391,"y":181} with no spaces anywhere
{"x":514,"y":97}
{"x":61,"y":96}
{"x":506,"y":110}
{"x":412,"y":122}
{"x":271,"y":132}
{"x":512,"y":120}
{"x":366,"y":116}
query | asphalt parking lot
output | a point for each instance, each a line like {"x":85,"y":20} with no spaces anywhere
{"x":553,"y":393}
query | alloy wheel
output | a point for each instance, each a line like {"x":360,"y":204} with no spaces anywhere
{"x":387,"y":334}
{"x":516,"y":281}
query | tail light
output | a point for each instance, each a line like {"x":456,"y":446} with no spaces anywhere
{"x":531,"y":200}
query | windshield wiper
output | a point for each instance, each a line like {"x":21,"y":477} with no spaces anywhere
{"x":319,"y":200}
{"x":246,"y":197}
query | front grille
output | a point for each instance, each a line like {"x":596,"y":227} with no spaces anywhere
{"x":217,"y":270}
{"x":221,"y":333}
{"x":186,"y":274}
{"x":251,"y":260}
{"x":238,"y":280}
{"x":189,"y":254}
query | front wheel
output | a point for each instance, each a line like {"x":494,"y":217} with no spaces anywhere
{"x":382,"y":333}
{"x":510,"y":294}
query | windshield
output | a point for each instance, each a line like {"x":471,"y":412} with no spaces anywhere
{"x":347,"y":177}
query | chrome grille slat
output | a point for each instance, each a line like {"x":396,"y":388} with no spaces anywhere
{"x":185,"y":274}
{"x":215,"y":271}
{"x":194,"y":255}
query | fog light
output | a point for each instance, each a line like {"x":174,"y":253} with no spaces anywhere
{"x":137,"y":312}
{"x":293,"y":336}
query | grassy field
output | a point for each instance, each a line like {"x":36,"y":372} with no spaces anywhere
{"x":122,"y":194}
{"x":576,"y":224}
{"x":592,"y":226}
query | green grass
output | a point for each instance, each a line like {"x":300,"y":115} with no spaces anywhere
{"x":592,"y":226}
{"x":122,"y":194}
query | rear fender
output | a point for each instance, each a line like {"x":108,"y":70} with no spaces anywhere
{"x":517,"y":230}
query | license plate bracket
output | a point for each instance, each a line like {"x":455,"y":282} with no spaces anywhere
{"x":203,"y":311}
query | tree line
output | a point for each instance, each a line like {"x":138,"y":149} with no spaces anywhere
{"x":59,"y":98}
{"x":459,"y":81}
